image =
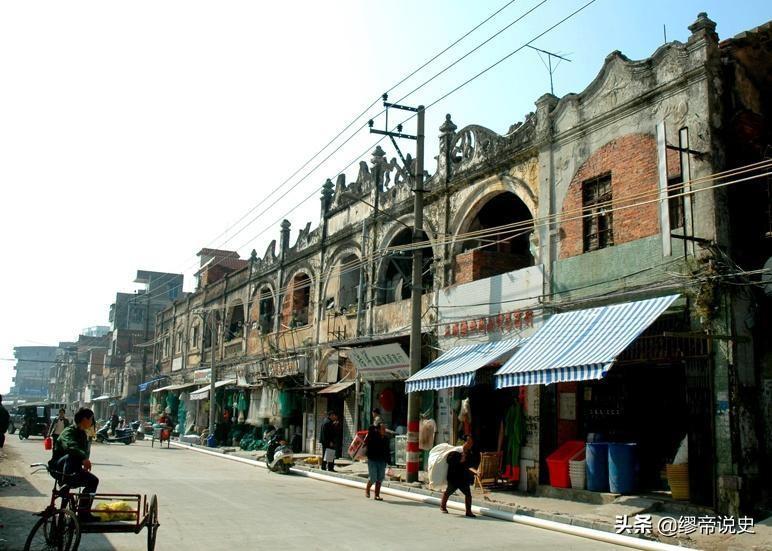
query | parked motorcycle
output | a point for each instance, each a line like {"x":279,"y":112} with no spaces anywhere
{"x":278,"y":457}
{"x":123,"y":435}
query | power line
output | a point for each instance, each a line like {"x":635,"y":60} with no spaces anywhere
{"x":530,"y":225}
{"x":574,"y":13}
{"x":350,"y":124}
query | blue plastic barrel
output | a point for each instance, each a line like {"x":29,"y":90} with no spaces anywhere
{"x":597,"y":466}
{"x":623,"y":468}
{"x":211,"y":441}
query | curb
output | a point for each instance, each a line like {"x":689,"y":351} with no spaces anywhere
{"x":573,"y":526}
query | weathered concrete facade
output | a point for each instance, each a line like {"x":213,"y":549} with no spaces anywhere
{"x":584,"y":197}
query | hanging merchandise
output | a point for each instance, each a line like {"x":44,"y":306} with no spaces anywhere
{"x":172,"y":403}
{"x":289,"y":403}
{"x":465,"y":416}
{"x":253,"y":414}
{"x":512,"y":430}
{"x":269,"y":403}
{"x":242,"y":406}
{"x":182,"y":412}
{"x":426,"y":431}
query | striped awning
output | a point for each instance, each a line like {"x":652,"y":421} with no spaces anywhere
{"x":580,"y":345}
{"x":457,"y":366}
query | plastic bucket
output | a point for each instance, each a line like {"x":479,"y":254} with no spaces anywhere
{"x":48,"y":443}
{"x":597,"y":466}
{"x":678,"y":479}
{"x":622,"y":467}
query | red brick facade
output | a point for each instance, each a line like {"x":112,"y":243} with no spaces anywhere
{"x":480,"y":264}
{"x":632,"y":162}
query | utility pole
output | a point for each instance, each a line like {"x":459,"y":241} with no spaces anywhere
{"x":211,"y":372}
{"x":413,"y":404}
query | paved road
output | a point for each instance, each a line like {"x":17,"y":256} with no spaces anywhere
{"x":212,"y":503}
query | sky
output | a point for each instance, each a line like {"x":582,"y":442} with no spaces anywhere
{"x":134,"y":134}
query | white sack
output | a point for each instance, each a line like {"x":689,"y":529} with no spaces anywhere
{"x":682,"y":455}
{"x":438,"y":465}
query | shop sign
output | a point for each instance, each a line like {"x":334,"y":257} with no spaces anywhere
{"x":287,"y":367}
{"x":202,"y":376}
{"x":498,"y":323}
{"x":386,"y":362}
{"x":177,"y":364}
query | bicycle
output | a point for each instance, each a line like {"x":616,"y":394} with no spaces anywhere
{"x":59,"y":529}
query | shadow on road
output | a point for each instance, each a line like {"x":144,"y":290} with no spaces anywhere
{"x":18,"y":486}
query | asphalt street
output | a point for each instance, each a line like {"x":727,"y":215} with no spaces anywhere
{"x":211,"y":503}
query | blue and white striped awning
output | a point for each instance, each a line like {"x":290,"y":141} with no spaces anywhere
{"x":457,"y":366}
{"x":580,"y":345}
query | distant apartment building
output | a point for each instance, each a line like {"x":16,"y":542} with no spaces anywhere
{"x":32,"y":366}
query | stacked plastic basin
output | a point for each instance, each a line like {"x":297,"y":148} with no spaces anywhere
{"x":577,"y":469}
{"x":557,"y":463}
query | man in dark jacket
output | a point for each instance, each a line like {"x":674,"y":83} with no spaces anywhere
{"x":71,"y":459}
{"x":5,"y":421}
{"x":331,"y":439}
{"x":461,"y":467}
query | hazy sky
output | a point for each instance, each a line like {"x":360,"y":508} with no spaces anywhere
{"x":133,"y":134}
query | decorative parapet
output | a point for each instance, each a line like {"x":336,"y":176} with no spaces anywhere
{"x":475,"y":147}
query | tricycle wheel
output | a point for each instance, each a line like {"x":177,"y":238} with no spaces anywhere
{"x":56,"y":530}
{"x":152,"y":523}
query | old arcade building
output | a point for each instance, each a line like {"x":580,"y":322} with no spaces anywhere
{"x":572,"y":286}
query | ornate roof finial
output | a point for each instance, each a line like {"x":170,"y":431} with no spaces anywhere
{"x":285,"y":224}
{"x":703,"y":22}
{"x":327,"y":188}
{"x":378,"y":154}
{"x":447,"y":127}
{"x":253,"y":255}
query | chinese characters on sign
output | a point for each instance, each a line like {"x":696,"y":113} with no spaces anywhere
{"x":506,"y":321}
{"x":669,"y":526}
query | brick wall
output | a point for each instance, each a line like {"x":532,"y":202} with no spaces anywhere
{"x":632,"y":162}
{"x":480,"y":264}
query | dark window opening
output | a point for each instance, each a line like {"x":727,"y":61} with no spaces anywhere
{"x":208,"y":329}
{"x":395,"y":283}
{"x":348,"y":292}
{"x":297,"y":302}
{"x":236,"y":325}
{"x":506,"y":225}
{"x":597,"y":222}
{"x":194,"y":338}
{"x":675,"y":202}
{"x":266,"y":312}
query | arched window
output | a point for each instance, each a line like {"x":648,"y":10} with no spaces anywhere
{"x":397,"y":270}
{"x":297,"y":302}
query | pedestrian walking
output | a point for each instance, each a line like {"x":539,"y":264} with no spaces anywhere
{"x":5,"y":421}
{"x":58,"y":426}
{"x":114,"y":422}
{"x":331,"y":439}
{"x":461,"y":467}
{"x":377,"y":457}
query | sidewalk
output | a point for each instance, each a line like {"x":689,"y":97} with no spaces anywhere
{"x":573,"y":507}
